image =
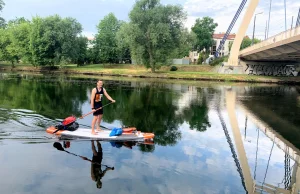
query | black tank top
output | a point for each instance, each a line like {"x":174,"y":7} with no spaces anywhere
{"x":98,"y":97}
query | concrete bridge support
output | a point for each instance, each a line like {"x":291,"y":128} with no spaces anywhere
{"x":235,"y":49}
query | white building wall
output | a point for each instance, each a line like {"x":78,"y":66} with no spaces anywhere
{"x":225,"y":51}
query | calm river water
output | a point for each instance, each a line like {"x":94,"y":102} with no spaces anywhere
{"x":210,"y":137}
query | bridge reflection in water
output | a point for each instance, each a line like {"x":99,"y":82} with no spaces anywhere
{"x":291,"y":179}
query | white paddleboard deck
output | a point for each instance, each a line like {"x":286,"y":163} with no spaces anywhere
{"x":101,"y":135}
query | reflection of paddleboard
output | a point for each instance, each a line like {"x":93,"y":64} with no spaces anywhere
{"x":127,"y":135}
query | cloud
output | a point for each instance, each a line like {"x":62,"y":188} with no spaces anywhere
{"x":90,"y":12}
{"x":88,"y":34}
{"x":223,"y":12}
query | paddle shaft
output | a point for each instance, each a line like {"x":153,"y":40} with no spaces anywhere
{"x":85,"y":158}
{"x":93,"y":111}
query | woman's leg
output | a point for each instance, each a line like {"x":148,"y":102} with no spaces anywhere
{"x":93,"y":124}
{"x":99,"y":121}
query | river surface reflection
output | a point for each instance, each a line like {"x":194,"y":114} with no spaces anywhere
{"x":210,"y":137}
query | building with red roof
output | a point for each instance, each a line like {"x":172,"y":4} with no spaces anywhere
{"x":194,"y":55}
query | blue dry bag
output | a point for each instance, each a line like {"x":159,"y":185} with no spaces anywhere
{"x":116,"y":132}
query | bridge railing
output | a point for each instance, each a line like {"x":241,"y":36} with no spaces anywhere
{"x":276,"y":38}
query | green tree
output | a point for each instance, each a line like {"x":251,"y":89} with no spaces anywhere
{"x":92,"y":54}
{"x":69,"y":36}
{"x":14,"y":41}
{"x":204,"y":29}
{"x":81,"y":50}
{"x":106,"y":41}
{"x":154,"y":32}
{"x":7,"y":52}
{"x":2,"y":21}
{"x":41,"y":45}
{"x":187,"y":43}
{"x":52,"y":40}
{"x":19,"y":30}
{"x":122,"y":44}
{"x":245,"y":43}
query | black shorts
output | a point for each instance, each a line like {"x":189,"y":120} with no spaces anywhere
{"x":98,"y":112}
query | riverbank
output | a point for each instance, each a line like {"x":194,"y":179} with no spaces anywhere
{"x":184,"y":72}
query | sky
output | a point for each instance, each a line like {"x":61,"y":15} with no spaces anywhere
{"x":90,"y":12}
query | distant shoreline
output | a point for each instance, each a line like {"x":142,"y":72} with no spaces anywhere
{"x":184,"y":73}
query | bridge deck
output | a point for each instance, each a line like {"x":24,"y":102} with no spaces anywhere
{"x":282,"y":47}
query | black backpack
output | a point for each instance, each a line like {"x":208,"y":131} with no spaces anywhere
{"x":70,"y":127}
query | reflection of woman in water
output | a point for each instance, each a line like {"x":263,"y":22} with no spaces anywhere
{"x":96,"y":171}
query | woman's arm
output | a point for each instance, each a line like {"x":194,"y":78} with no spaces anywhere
{"x":92,"y":98}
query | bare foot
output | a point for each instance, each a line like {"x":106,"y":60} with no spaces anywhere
{"x":94,"y":133}
{"x":99,"y":129}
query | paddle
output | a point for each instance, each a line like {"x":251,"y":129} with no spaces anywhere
{"x":73,"y":119}
{"x":59,"y":147}
{"x":93,"y":111}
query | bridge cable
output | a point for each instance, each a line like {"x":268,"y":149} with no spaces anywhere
{"x":256,"y":154}
{"x":287,"y":171}
{"x":246,"y":127}
{"x":236,"y":16}
{"x":285,"y":14}
{"x":262,"y":188}
{"x":269,"y":19}
{"x":235,"y":157}
{"x":298,"y":19}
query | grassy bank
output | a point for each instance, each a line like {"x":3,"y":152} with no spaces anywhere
{"x":185,"y":72}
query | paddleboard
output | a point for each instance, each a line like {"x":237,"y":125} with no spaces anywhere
{"x":128,"y":135}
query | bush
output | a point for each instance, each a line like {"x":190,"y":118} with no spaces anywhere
{"x":173,"y":68}
{"x":200,"y":59}
{"x":219,"y":60}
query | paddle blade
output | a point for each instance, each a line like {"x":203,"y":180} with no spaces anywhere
{"x":58,"y":146}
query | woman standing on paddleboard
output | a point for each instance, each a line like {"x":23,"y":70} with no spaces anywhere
{"x":96,"y":103}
